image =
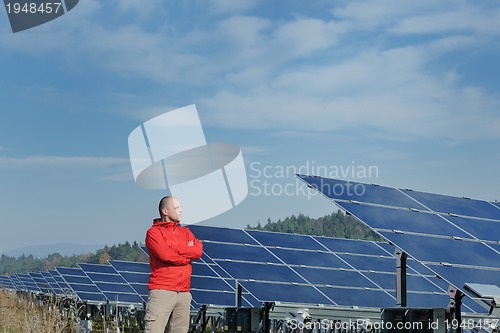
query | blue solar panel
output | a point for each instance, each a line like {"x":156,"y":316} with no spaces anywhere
{"x":480,"y":229}
{"x":451,"y":243}
{"x":262,"y":272}
{"x":111,"y":283}
{"x":446,"y":250}
{"x":238,"y":252}
{"x":345,"y":278}
{"x":374,"y":194}
{"x":339,"y":245}
{"x":6,"y":282}
{"x":371,"y":263}
{"x":41,"y":282}
{"x":53,"y":284}
{"x":129,"y":266}
{"x":136,"y":274}
{"x":421,"y":300}
{"x":270,"y":292}
{"x":413,"y":282}
{"x":97,"y":268}
{"x":271,"y":239}
{"x":28,"y":283}
{"x":219,"y":298}
{"x":300,"y":257}
{"x":81,"y":284}
{"x":460,"y":206}
{"x":58,"y":278}
{"x":17,"y":282}
{"x":211,"y":284}
{"x":459,"y":276}
{"x":302,"y":267}
{"x":403,"y":220}
{"x":217,"y":234}
{"x":205,"y":282}
{"x":202,"y":269}
{"x":135,"y":277}
{"x":101,"y":277}
{"x":359,"y":297}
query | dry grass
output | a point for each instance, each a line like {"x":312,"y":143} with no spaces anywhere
{"x":25,"y":314}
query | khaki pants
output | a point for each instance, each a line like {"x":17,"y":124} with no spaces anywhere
{"x":166,"y":306}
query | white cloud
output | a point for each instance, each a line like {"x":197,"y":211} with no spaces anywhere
{"x":303,"y":37}
{"x":345,"y":72}
{"x":387,"y":91}
{"x":464,"y":19}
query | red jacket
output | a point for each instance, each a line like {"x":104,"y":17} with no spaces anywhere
{"x":170,"y":256}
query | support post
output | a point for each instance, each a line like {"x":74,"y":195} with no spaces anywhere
{"x":455,"y":308}
{"x":266,"y":324}
{"x":400,"y":277}
{"x":238,"y":294}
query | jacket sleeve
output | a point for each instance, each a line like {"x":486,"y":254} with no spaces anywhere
{"x":156,"y":244}
{"x":191,"y":252}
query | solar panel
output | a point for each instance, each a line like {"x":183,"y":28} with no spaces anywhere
{"x":28,"y":283}
{"x":6,"y":282}
{"x":217,"y":234}
{"x":270,"y":239}
{"x":477,"y":228}
{"x":359,"y":297}
{"x":341,"y":264}
{"x":136,"y":274}
{"x":455,"y":238}
{"x":59,"y":280}
{"x":112,"y":285}
{"x":285,"y":292}
{"x":41,"y":282}
{"x":56,"y":289}
{"x":453,"y":205}
{"x":339,"y":245}
{"x":308,"y":258}
{"x":81,"y":285}
{"x":403,"y":220}
{"x":445,"y":250}
{"x":17,"y":282}
{"x":238,"y":252}
{"x":353,"y":191}
{"x":207,"y":283}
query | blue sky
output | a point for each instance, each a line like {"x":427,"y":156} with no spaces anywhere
{"x":407,"y":88}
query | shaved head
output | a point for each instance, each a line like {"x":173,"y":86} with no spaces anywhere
{"x":170,"y":209}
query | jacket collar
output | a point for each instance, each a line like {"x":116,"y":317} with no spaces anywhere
{"x":158,"y":222}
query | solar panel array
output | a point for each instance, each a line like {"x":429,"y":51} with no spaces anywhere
{"x":268,"y":266}
{"x":456,"y":238}
{"x":316,"y":270}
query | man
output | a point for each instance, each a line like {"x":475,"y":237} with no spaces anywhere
{"x":171,"y":249}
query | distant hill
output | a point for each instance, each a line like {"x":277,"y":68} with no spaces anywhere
{"x":41,"y":251}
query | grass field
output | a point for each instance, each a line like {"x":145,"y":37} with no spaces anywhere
{"x":25,"y":314}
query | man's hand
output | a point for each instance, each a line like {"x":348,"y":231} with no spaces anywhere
{"x":190,"y":243}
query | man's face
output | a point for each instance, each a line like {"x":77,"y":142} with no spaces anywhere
{"x":174,"y":210}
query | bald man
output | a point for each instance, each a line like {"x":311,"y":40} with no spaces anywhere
{"x":171,"y":249}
